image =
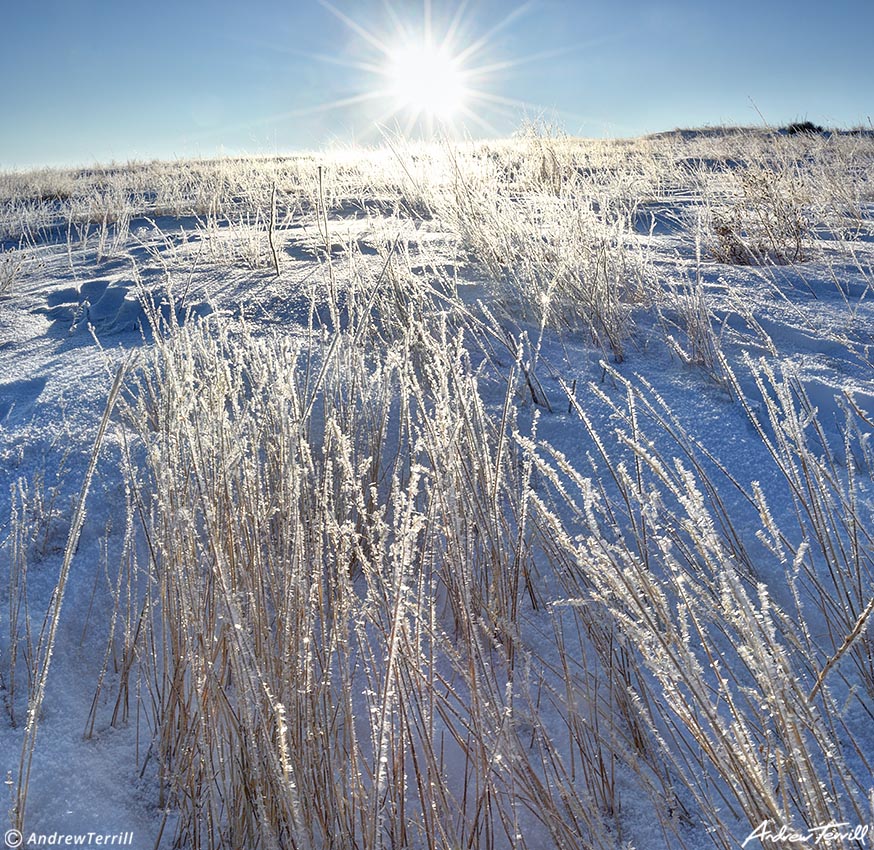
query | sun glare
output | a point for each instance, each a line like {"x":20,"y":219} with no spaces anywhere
{"x":426,"y":80}
{"x":430,"y":73}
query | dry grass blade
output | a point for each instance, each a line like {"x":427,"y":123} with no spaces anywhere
{"x":47,"y":639}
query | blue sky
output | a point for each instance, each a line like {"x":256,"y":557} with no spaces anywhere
{"x":99,"y":81}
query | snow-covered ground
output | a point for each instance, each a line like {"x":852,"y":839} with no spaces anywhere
{"x":512,"y":244}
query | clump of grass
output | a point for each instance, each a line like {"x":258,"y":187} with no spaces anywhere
{"x":768,"y":223}
{"x":555,"y":255}
{"x":735,"y":691}
{"x":13,"y":264}
{"x":333,"y":640}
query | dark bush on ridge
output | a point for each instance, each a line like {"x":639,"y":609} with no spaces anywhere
{"x":803,"y":127}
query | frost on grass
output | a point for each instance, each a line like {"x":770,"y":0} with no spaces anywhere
{"x":500,"y":495}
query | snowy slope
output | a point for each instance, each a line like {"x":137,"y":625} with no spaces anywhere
{"x":78,"y":306}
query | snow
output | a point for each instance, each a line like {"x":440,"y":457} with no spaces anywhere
{"x":69,"y":319}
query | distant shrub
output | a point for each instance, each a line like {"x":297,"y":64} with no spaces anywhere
{"x":803,"y":127}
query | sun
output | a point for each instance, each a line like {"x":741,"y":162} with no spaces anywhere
{"x":426,"y":80}
{"x":427,"y":75}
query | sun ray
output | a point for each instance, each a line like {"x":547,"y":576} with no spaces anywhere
{"x":427,"y":17}
{"x":395,"y":19}
{"x":455,"y":24}
{"x":277,"y":117}
{"x":511,"y":64}
{"x":484,"y":39}
{"x":480,"y":121}
{"x":328,"y":59}
{"x":433,"y":73}
{"x":363,"y":97}
{"x":505,"y":101}
{"x":355,"y":26}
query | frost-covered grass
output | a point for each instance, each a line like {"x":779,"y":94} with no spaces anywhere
{"x":489,"y":495}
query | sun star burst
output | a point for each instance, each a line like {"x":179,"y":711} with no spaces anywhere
{"x":428,"y":76}
{"x":426,"y":80}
